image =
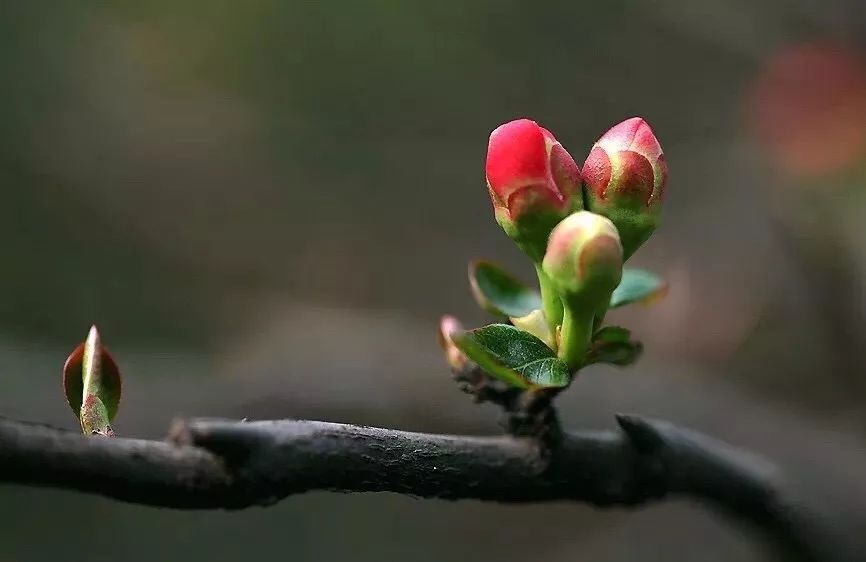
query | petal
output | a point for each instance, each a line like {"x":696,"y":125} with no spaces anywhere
{"x":547,"y":134}
{"x":633,"y":176}
{"x":529,"y":198}
{"x":565,"y":171}
{"x":516,"y":155}
{"x":596,"y":172}
{"x":621,"y":135}
{"x":646,"y":143}
{"x":661,"y":179}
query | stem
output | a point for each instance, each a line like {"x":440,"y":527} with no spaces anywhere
{"x":550,"y":299}
{"x":597,"y":321}
{"x":576,"y":334}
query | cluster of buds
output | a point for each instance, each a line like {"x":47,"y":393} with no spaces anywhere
{"x":535,"y":183}
{"x":578,"y":227}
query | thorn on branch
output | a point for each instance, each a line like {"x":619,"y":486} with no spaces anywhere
{"x":643,"y":436}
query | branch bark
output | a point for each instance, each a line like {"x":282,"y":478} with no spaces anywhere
{"x":208,"y":464}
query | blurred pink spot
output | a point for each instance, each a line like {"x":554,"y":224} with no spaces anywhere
{"x":808,"y":109}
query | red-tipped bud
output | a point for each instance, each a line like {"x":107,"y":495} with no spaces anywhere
{"x":625,"y":177}
{"x":533,"y":183}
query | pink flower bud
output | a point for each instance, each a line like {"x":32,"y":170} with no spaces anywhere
{"x":625,"y":177}
{"x":533,"y":183}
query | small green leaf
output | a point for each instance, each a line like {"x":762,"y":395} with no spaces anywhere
{"x":94,"y":417}
{"x":499,"y":293}
{"x":637,"y":285}
{"x":611,"y":334}
{"x":514,"y":356}
{"x":613,"y":345}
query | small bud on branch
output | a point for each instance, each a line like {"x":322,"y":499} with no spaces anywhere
{"x":92,"y":384}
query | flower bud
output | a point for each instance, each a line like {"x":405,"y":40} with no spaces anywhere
{"x":92,"y":384}
{"x":584,"y":257}
{"x":625,"y":177}
{"x":584,"y":263}
{"x":533,"y":182}
{"x":449,"y":327}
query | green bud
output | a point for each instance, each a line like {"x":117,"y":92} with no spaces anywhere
{"x":584,"y":263}
{"x":584,"y":257}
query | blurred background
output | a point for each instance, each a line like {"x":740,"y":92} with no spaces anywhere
{"x":266,"y":206}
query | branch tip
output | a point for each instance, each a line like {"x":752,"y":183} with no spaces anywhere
{"x":646,"y":439}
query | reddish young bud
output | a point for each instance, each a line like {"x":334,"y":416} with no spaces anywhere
{"x":625,"y":177}
{"x":449,"y":327}
{"x":533,"y":183}
{"x":92,"y":384}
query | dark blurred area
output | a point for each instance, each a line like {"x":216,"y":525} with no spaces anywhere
{"x":266,"y":206}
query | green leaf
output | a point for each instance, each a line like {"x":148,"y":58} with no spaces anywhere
{"x":613,"y":345}
{"x":637,"y":285}
{"x":514,"y":356}
{"x":536,"y":324}
{"x":611,"y":334}
{"x":499,"y":293}
{"x":94,"y":417}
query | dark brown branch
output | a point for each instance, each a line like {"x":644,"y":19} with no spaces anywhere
{"x":132,"y":470}
{"x":528,"y":413}
{"x":226,"y":464}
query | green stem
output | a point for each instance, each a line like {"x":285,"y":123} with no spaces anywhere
{"x":599,"y":317}
{"x":551,"y":301}
{"x":575,"y":336}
